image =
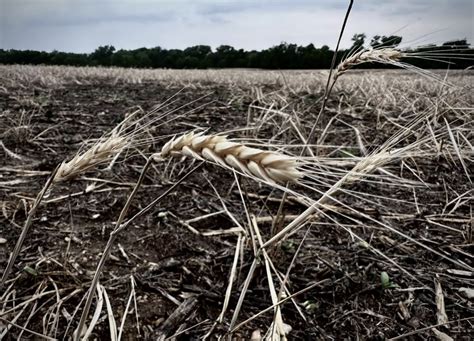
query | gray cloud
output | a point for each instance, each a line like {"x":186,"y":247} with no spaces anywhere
{"x":82,"y":25}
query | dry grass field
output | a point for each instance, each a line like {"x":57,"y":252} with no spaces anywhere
{"x":372,"y":240}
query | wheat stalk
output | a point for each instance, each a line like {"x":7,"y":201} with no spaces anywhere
{"x":382,"y":55}
{"x":269,"y":166}
{"x":98,"y":153}
{"x":95,"y":155}
{"x":386,"y":55}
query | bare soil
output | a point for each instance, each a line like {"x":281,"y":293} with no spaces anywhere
{"x":169,"y":263}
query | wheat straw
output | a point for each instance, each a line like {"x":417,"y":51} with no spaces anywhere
{"x":265,"y":165}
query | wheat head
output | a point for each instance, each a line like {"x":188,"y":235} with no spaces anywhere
{"x":384,"y":55}
{"x":266,"y":165}
{"x":99,"y":153}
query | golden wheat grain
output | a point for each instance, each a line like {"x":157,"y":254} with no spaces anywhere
{"x":266,"y":165}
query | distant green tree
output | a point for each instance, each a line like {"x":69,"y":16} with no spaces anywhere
{"x":102,"y":55}
{"x":123,"y":58}
{"x":197,"y":56}
{"x":225,"y":56}
{"x":282,"y":56}
{"x":458,"y":44}
{"x":157,"y":57}
{"x":141,"y":58}
{"x":253,"y":59}
{"x":358,"y":41}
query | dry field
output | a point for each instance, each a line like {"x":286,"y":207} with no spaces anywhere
{"x":372,"y":240}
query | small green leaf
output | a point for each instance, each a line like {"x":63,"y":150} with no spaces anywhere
{"x":30,"y":271}
{"x":385,"y":280}
{"x":310,"y":306}
{"x":288,"y":246}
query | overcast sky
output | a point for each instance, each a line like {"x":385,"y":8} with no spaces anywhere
{"x":82,"y":25}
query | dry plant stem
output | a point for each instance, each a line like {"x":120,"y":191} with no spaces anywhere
{"x":349,"y":177}
{"x":158,"y":199}
{"x":302,"y":291}
{"x":328,"y":88}
{"x":118,"y":228}
{"x":310,"y":210}
{"x":127,"y":307}
{"x":357,"y":172}
{"x":232,"y":276}
{"x":180,"y":332}
{"x":293,"y":260}
{"x":41,"y":336}
{"x":256,"y":261}
{"x":26,"y":228}
{"x":244,"y":291}
{"x":456,"y":148}
{"x":303,"y":140}
{"x":276,"y":329}
{"x":108,"y":249}
{"x":254,"y":245}
{"x":386,"y":55}
{"x":295,"y":223}
{"x":279,"y":217}
{"x":417,"y":331}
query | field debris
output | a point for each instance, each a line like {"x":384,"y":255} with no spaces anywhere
{"x":244,"y":233}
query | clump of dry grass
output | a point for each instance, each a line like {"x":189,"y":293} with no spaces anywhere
{"x":266,"y":165}
{"x":99,"y":153}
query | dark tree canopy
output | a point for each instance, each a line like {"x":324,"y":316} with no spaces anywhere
{"x":383,"y":41}
{"x":358,"y":41}
{"x":460,"y":44}
{"x":103,"y":55}
{"x":282,"y":56}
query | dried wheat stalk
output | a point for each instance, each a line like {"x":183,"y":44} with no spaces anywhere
{"x":95,"y":155}
{"x":98,"y":153}
{"x":385,"y":55}
{"x":266,"y":165}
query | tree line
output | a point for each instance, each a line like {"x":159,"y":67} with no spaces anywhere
{"x":282,"y":56}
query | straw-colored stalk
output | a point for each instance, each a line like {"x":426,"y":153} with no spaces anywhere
{"x":366,"y":166}
{"x":99,"y":153}
{"x":26,"y":228}
{"x":269,"y":166}
{"x":121,"y":225}
{"x":363,"y":167}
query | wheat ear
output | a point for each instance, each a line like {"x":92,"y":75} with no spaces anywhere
{"x":385,"y":55}
{"x":100,"y":152}
{"x":270,"y":166}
